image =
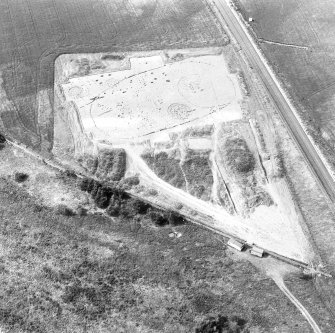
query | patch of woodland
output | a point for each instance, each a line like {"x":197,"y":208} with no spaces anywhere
{"x":118,"y":203}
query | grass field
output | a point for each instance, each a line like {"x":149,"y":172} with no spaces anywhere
{"x":309,"y":72}
{"x":93,"y":274}
{"x":34,"y":32}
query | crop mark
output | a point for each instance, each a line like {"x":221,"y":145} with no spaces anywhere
{"x":329,"y":85}
{"x":180,"y":124}
{"x":262,"y":40}
{"x":113,"y":86}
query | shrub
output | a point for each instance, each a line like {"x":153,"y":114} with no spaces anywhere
{"x":223,"y":324}
{"x":131,"y":181}
{"x":198,"y":173}
{"x":64,"y":210}
{"x":90,"y":185}
{"x":112,"y":57}
{"x":111,"y":164}
{"x":2,"y":141}
{"x":20,"y":177}
{"x":175,"y":219}
{"x":132,"y":207}
{"x":81,"y":211}
{"x":166,"y":167}
{"x":95,"y":189}
{"x":152,"y":192}
{"x":84,"y":184}
{"x":158,"y":218}
{"x":178,"y":205}
{"x":238,"y":155}
{"x":70,"y":173}
{"x":140,"y":206}
{"x":102,"y":197}
{"x":279,"y":168}
{"x":113,"y":209}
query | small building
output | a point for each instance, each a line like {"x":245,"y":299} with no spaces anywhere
{"x":251,"y":19}
{"x":239,"y":246}
{"x":256,"y":251}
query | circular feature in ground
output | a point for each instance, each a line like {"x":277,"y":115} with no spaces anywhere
{"x":179,"y":111}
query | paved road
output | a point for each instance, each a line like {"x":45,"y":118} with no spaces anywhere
{"x":238,"y":30}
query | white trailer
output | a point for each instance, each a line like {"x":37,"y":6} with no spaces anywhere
{"x":239,"y":246}
{"x":257,"y":251}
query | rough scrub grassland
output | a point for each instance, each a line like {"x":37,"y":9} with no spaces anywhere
{"x":90,"y":273}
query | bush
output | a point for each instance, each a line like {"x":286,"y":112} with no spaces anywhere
{"x":81,"y":211}
{"x":70,"y":173}
{"x":132,"y":207}
{"x":2,"y":141}
{"x":175,"y":219}
{"x":151,"y":192}
{"x":102,"y":197}
{"x":198,"y":172}
{"x":158,"y":218}
{"x":166,"y":167}
{"x":112,"y":57}
{"x":95,"y":189}
{"x":113,"y":209}
{"x":84,"y":184}
{"x":140,"y":206}
{"x":238,"y":155}
{"x":90,"y":185}
{"x":223,"y":324}
{"x":20,"y":177}
{"x":64,"y":210}
{"x":178,"y":205}
{"x":111,"y":164}
{"x":131,"y":181}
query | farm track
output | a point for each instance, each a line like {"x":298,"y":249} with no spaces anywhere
{"x":282,"y":286}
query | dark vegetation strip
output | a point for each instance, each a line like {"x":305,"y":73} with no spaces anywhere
{"x":2,"y":141}
{"x":117,"y":202}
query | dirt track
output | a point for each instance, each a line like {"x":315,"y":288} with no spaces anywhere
{"x":281,"y":285}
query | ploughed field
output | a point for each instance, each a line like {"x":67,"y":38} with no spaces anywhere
{"x":298,"y":39}
{"x":34,"y":32}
